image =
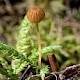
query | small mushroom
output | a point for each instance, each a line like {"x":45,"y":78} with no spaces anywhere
{"x":35,"y":15}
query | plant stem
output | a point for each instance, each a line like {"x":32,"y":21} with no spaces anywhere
{"x":39,"y":45}
{"x":53,"y":63}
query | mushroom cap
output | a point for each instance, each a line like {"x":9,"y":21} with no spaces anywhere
{"x":35,"y":14}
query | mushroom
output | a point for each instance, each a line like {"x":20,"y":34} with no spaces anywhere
{"x":35,"y":15}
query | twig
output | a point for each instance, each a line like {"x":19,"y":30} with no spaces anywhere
{"x":25,"y":72}
{"x":53,"y":63}
{"x":70,"y":72}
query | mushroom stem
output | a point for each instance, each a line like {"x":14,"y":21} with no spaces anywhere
{"x":39,"y":45}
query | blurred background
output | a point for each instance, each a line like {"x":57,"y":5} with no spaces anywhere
{"x":61,"y":26}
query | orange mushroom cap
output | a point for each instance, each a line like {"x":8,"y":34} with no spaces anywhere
{"x":35,"y":14}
